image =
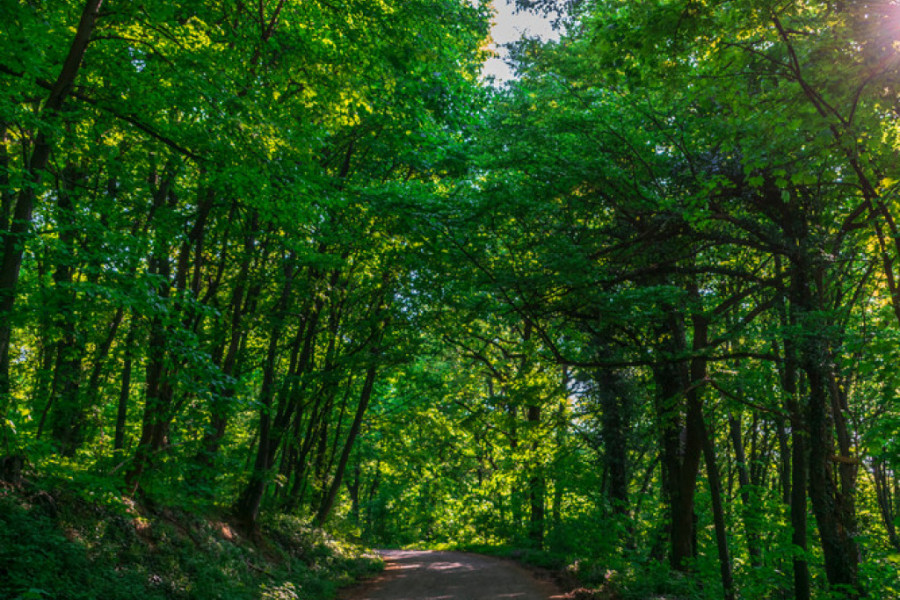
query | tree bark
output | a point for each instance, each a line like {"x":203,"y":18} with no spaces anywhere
{"x":715,"y":488}
{"x":734,"y":427}
{"x":221,"y":400}
{"x":7,"y":199}
{"x":833,"y":507}
{"x":536,"y":490}
{"x":158,"y":401}
{"x":14,"y":240}
{"x":615,"y":423}
{"x":100,"y":356}
{"x":331,"y":494}
{"x":248,"y":504}
{"x":67,"y":413}
{"x":881,"y":478}
{"x":694,"y":394}
{"x":125,"y":390}
{"x":681,"y":446}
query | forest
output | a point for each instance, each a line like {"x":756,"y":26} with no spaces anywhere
{"x":634,"y":313}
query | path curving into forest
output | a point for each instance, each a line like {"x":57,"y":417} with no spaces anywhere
{"x":425,"y":575}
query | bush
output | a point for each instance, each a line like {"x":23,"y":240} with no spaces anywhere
{"x":58,"y":544}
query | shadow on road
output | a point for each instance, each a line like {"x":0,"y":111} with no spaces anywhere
{"x":424,"y":575}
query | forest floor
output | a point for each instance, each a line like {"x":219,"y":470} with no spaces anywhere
{"x":68,"y":542}
{"x":429,"y":575}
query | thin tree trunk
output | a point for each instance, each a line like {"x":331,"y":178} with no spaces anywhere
{"x":790,"y":372}
{"x":125,"y":390}
{"x":248,"y":505}
{"x":715,"y":488}
{"x":67,"y":415}
{"x":681,"y":446}
{"x":220,"y":402}
{"x":833,"y":507}
{"x":158,"y":402}
{"x":93,"y":386}
{"x":885,"y":501}
{"x":734,"y":426}
{"x":614,"y":403}
{"x":7,"y":198}
{"x":561,"y":434}
{"x":695,"y":414}
{"x":798,"y":507}
{"x":536,"y":490}
{"x":331,"y":494}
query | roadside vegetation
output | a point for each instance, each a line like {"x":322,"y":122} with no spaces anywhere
{"x":68,"y":539}
{"x":280,"y":266}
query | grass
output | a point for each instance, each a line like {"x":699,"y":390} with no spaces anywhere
{"x":56,"y":543}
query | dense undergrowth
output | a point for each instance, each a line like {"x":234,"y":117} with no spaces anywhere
{"x":629,"y":576}
{"x":592,"y":579}
{"x":58,"y":541}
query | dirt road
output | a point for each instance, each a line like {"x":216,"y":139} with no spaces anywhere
{"x":418,"y":575}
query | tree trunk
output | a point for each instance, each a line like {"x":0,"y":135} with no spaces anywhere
{"x":157,"y":407}
{"x":561,"y":419}
{"x":7,"y":199}
{"x":734,"y":426}
{"x":536,"y":490}
{"x":125,"y":390}
{"x":158,"y":401}
{"x":353,"y":490}
{"x":331,"y":494}
{"x":614,"y":402}
{"x":695,"y":415}
{"x":14,"y":240}
{"x":248,"y":505}
{"x":67,"y":416}
{"x":798,"y":507}
{"x":221,"y":400}
{"x":833,"y":508}
{"x":882,"y":482}
{"x":715,"y":488}
{"x":681,"y":443}
{"x":93,"y":386}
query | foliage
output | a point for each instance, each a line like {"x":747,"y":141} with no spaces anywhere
{"x":57,"y":544}
{"x":635,"y":312}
